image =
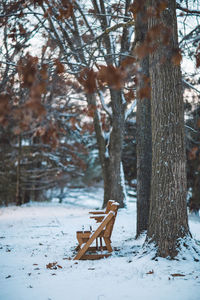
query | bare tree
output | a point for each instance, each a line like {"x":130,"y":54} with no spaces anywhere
{"x":93,"y":39}
{"x":168,"y":221}
{"x":144,"y":147}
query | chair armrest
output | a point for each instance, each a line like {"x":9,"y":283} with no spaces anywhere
{"x":98,"y":218}
{"x":97,"y":212}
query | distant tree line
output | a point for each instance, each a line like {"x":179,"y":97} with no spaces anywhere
{"x":97,"y":61}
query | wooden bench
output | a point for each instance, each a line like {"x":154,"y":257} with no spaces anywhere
{"x":103,"y":232}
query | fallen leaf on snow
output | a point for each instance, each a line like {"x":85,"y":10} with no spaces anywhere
{"x":177,"y":275}
{"x":150,"y":272}
{"x":60,"y":267}
{"x":53,"y":266}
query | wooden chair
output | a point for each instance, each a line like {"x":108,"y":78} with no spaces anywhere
{"x":104,"y":231}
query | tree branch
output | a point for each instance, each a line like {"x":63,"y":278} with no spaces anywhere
{"x":178,"y":6}
{"x":190,"y":86}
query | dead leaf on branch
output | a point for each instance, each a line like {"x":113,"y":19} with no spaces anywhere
{"x":193,"y":153}
{"x":43,"y":72}
{"x":92,"y":11}
{"x":87,"y":78}
{"x":145,"y":90}
{"x":27,"y":69}
{"x":112,"y":76}
{"x":81,"y":22}
{"x":152,"y":11}
{"x":106,"y":75}
{"x":90,"y":110}
{"x":35,"y":108}
{"x":129,"y":96}
{"x":156,"y":36}
{"x":49,"y":135}
{"x":136,"y":7}
{"x":127,"y":62}
{"x":4,"y":108}
{"x":65,"y":11}
{"x":22,"y":30}
{"x":87,"y":38}
{"x":197,"y":56}
{"x":59,"y":66}
{"x":176,"y":57}
{"x":39,"y":2}
{"x":159,"y":33}
{"x":117,"y":7}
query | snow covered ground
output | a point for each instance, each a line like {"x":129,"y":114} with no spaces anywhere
{"x":35,"y":235}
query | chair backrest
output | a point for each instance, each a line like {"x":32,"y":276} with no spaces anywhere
{"x":108,"y":206}
{"x":109,"y":227}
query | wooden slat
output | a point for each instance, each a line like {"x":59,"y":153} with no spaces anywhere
{"x":94,"y":256}
{"x":108,"y":244}
{"x":98,"y":218}
{"x":97,"y":212}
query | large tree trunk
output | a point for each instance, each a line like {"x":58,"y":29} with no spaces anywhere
{"x":115,"y":167}
{"x":144,"y":154}
{"x":168,"y":220}
{"x":110,"y":151}
{"x":18,"y":199}
{"x":143,"y":117}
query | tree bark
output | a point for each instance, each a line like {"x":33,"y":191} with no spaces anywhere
{"x":115,"y":167}
{"x":110,"y":151}
{"x":18,"y":173}
{"x":143,"y":122}
{"x":168,"y":221}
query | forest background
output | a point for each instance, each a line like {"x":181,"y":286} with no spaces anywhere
{"x":67,"y":108}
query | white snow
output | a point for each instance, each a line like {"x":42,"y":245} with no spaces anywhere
{"x":34,"y":235}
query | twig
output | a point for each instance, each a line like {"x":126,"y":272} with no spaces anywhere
{"x":178,"y":6}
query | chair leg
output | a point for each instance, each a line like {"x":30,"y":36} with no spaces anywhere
{"x":108,"y":244}
{"x":101,"y":245}
{"x":80,"y":241}
{"x":97,"y":244}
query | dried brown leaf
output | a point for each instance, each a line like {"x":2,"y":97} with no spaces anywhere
{"x":112,"y":76}
{"x":150,"y":272}
{"x":176,"y":57}
{"x":87,"y":79}
{"x":59,"y":66}
{"x":177,"y":275}
{"x":52,"y":266}
{"x":193,"y":153}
